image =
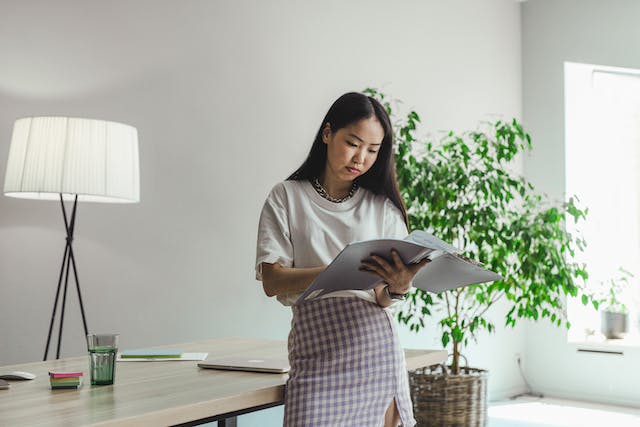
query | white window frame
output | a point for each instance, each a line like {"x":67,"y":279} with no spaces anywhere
{"x":602,"y":167}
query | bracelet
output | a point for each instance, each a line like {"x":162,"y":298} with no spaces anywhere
{"x":393,"y":295}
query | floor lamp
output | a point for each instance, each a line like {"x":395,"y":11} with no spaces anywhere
{"x":72,"y":159}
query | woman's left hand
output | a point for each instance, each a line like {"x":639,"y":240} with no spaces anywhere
{"x":396,"y":274}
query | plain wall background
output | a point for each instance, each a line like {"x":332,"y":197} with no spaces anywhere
{"x":592,"y":32}
{"x":226,"y":96}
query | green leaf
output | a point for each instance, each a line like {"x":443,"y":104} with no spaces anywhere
{"x":456,"y":334}
{"x":445,"y":339}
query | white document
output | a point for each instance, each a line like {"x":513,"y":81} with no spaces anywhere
{"x":185,"y":357}
{"x":447,"y":269}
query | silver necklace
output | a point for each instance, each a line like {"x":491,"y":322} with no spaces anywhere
{"x":321,"y":191}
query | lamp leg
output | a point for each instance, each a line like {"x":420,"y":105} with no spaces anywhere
{"x":68,"y":262}
{"x":70,"y":231}
{"x":64,"y":304}
{"x":75,"y":273}
{"x":55,"y":304}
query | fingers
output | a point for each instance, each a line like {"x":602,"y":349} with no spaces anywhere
{"x":391,"y":272}
{"x":396,"y":266}
{"x":396,"y":263}
{"x":380,"y":267}
{"x":370,"y":268}
{"x":396,"y":259}
{"x":383,"y":263}
{"x":414,"y":268}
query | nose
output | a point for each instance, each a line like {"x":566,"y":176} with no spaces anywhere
{"x":359,"y":156}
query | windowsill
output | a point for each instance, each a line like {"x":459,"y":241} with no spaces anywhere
{"x":600,"y":342}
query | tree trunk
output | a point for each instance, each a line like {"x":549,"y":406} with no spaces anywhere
{"x":455,"y":366}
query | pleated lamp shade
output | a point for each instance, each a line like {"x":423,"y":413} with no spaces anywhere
{"x":96,"y":160}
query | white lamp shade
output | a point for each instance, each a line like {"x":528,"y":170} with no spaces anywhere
{"x":96,"y":160}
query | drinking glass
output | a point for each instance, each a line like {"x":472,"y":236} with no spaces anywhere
{"x":102,"y":358}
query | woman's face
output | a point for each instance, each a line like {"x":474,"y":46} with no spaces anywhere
{"x":352,"y":150}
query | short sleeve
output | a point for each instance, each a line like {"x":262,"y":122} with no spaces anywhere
{"x":274,"y":237}
{"x":394,"y":225}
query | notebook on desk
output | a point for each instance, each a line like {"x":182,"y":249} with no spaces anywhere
{"x":275,"y":366}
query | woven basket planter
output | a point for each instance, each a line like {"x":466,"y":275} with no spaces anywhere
{"x":441,"y":399}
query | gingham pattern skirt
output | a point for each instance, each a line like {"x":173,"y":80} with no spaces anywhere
{"x":346,"y":366}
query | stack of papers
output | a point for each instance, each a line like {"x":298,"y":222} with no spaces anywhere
{"x":447,"y":269}
{"x":60,"y":379}
{"x":151,"y":354}
{"x":158,"y":355}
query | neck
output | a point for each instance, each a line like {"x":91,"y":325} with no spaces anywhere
{"x":335,"y":188}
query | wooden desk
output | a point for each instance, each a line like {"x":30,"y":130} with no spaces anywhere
{"x":157,"y":393}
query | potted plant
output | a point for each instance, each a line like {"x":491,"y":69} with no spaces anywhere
{"x":614,"y":317}
{"x":462,"y":189}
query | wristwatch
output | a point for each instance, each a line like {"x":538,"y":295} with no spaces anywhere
{"x":392,"y":295}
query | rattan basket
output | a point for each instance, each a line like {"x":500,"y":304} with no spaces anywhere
{"x":441,"y":399}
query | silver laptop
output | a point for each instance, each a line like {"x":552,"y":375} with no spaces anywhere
{"x":275,"y":366}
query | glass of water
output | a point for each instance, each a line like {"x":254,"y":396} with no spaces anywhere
{"x":102,"y":357}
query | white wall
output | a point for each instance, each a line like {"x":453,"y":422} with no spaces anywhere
{"x":594,"y":32}
{"x":226,"y":96}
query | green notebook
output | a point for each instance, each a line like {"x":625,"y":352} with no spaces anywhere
{"x":151,"y":354}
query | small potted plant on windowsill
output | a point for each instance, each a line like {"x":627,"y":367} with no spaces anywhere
{"x":614,"y":320}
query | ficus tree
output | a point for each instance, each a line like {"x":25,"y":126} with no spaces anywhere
{"x":463,"y":189}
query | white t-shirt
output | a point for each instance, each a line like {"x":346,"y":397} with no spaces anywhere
{"x":299,"y":228}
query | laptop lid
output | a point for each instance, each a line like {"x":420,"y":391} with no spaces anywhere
{"x":276,"y":366}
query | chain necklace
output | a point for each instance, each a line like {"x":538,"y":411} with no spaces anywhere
{"x":321,"y":191}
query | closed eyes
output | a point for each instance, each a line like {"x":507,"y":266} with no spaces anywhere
{"x":356,"y":145}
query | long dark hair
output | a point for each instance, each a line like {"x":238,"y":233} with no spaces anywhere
{"x":346,"y":110}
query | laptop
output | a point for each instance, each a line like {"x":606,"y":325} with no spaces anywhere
{"x":274,"y":366}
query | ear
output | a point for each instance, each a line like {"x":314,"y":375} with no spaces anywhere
{"x":326,"y":133}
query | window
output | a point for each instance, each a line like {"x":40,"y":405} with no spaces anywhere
{"x":602,"y":166}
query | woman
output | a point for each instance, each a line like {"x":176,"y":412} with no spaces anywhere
{"x":347,"y":367}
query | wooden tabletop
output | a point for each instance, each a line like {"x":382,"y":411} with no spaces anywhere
{"x":156,"y":393}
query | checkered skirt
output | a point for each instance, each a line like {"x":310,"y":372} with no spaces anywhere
{"x":346,"y":365}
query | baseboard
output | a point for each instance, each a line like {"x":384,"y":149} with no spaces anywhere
{"x":591,"y":397}
{"x":505,"y":393}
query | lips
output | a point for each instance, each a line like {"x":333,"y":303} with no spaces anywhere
{"x":353,"y":171}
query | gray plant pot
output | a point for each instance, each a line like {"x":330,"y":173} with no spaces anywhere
{"x":614,"y":325}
